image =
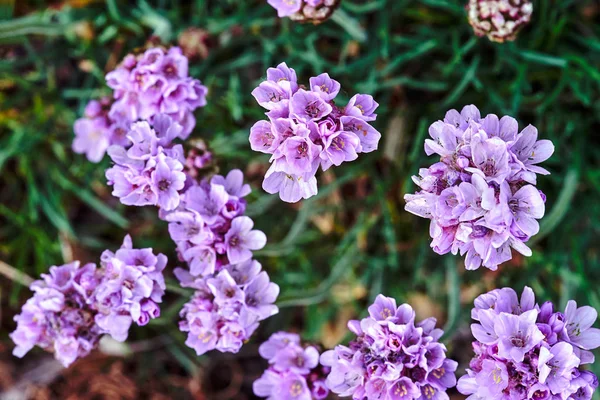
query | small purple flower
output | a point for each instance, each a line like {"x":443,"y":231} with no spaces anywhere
{"x":294,"y":371}
{"x":59,"y":318}
{"x":286,"y":8}
{"x":326,"y":87}
{"x":307,"y":130}
{"x":522,"y":351}
{"x":221,"y":314}
{"x":391,"y":358}
{"x":480,"y":196}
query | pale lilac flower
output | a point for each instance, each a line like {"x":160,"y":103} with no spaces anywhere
{"x":150,"y":171}
{"x":392,"y":357}
{"x":73,"y":306}
{"x":129,"y":290}
{"x":154,"y":82}
{"x":227,"y":307}
{"x":59,"y":317}
{"x":480,"y":196}
{"x":307,"y":130}
{"x":523,"y":351}
{"x":209,"y":226}
{"x":96,"y":131}
{"x":294,"y":371}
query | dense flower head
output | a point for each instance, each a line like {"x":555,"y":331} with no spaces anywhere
{"x":152,"y":83}
{"x":315,"y":11}
{"x":499,"y":20}
{"x":227,"y":306}
{"x":527,"y":351}
{"x":59,"y":317}
{"x":150,"y":171}
{"x":294,"y":372}
{"x":96,"y":131}
{"x":392,"y":358}
{"x":73,"y":306}
{"x":156,"y":82}
{"x":130,"y":287}
{"x":481,"y":196}
{"x":209,"y":226}
{"x":306,"y":129}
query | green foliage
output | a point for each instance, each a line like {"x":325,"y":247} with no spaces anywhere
{"x":333,"y":253}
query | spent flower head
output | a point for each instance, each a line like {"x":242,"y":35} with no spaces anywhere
{"x":499,"y":20}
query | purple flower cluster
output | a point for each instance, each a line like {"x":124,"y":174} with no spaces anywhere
{"x":227,"y":307}
{"x":73,"y":306}
{"x":155,"y":82}
{"x":305,"y":10}
{"x":499,"y":20}
{"x":392,"y":358}
{"x":58,"y":318}
{"x":150,"y":171}
{"x":96,"y":131}
{"x":294,"y":372}
{"x":130,"y":287}
{"x":306,"y":129}
{"x":524,"y":351}
{"x":209,"y":226}
{"x":481,"y":197}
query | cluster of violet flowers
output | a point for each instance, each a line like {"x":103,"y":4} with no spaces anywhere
{"x":294,"y":371}
{"x":209,"y":225}
{"x":150,"y":171}
{"x":481,"y":196}
{"x":145,"y":85}
{"x":73,"y":306}
{"x":226,"y":307}
{"x":306,"y":129}
{"x":393,"y":357}
{"x":524,"y":351}
{"x":206,"y":215}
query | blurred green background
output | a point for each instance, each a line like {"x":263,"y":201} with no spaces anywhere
{"x":334,"y":253}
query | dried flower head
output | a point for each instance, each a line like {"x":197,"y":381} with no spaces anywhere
{"x":499,"y":20}
{"x":313,"y":11}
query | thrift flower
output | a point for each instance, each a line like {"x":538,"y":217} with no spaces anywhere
{"x":481,"y":196}
{"x":307,"y":130}
{"x":129,"y":290}
{"x":96,"y":131}
{"x":209,"y":225}
{"x":227,"y":307}
{"x":150,"y":171}
{"x":523,"y":350}
{"x":73,"y":306}
{"x":156,"y":82}
{"x":294,"y":372}
{"x":392,"y":357}
{"x":499,"y":20}
{"x":59,"y":317}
